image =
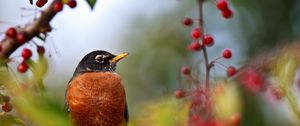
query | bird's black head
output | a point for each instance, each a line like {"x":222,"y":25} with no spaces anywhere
{"x":99,"y":61}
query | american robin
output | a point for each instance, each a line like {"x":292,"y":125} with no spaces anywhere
{"x":95,"y":95}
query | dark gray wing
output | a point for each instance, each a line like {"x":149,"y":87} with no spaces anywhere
{"x":126,"y":114}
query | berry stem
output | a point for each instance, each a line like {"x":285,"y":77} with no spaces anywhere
{"x":223,"y":65}
{"x":216,"y":59}
{"x":200,"y":25}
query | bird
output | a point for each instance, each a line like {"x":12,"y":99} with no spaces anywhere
{"x":95,"y":95}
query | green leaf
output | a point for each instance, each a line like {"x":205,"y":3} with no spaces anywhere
{"x":31,"y":2}
{"x":39,"y":70}
{"x":8,"y":120}
{"x":91,"y":3}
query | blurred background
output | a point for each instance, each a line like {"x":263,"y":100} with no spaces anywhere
{"x":156,"y":40}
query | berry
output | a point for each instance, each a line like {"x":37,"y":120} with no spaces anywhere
{"x":0,"y":47}
{"x":72,"y":3}
{"x":208,"y":40}
{"x":222,"y":5}
{"x":231,"y":71}
{"x":11,"y":32}
{"x":196,"y":33}
{"x":23,"y":67}
{"x":44,"y":1}
{"x":226,"y":13}
{"x":21,"y":38}
{"x":40,"y":50}
{"x":26,"y":53}
{"x":179,"y":93}
{"x":187,"y":21}
{"x":227,"y":54}
{"x":252,"y":80}
{"x":7,"y":107}
{"x":235,"y":120}
{"x":40,"y":3}
{"x":195,"y":46}
{"x":58,"y":6}
{"x":185,"y":70}
{"x":6,"y":98}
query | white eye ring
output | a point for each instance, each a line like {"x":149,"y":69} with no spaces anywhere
{"x":99,"y":58}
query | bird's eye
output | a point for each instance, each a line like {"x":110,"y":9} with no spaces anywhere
{"x":99,"y":58}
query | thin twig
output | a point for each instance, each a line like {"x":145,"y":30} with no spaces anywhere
{"x":200,"y":25}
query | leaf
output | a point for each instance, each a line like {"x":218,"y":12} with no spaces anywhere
{"x":160,"y":112}
{"x":91,"y":3}
{"x":31,"y":2}
{"x":39,"y":70}
{"x":8,"y":120}
{"x":285,"y":68}
{"x":5,"y":78}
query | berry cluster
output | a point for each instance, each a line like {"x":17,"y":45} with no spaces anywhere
{"x":5,"y":101}
{"x":222,"y":5}
{"x":255,"y":82}
{"x":198,"y":121}
{"x":58,"y":6}
{"x":201,"y":107}
{"x":21,"y":37}
{"x":208,"y":41}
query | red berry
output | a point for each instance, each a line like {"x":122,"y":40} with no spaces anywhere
{"x":6,"y":98}
{"x":0,"y":47}
{"x":26,"y":53}
{"x":185,"y":70}
{"x":196,"y":33}
{"x":227,"y":53}
{"x":58,"y":6}
{"x":21,"y":38}
{"x":72,"y":3}
{"x":23,"y":67}
{"x":40,"y":50}
{"x":7,"y":107}
{"x":40,"y":3}
{"x":235,"y":120}
{"x":226,"y":13}
{"x":187,"y":21}
{"x":179,"y":93}
{"x":195,"y":46}
{"x":11,"y":32}
{"x":252,"y":80}
{"x":231,"y":71}
{"x":208,"y":40}
{"x":222,"y":5}
{"x":44,"y":1}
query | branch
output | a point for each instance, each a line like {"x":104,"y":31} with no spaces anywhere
{"x":32,"y":30}
{"x":200,"y":25}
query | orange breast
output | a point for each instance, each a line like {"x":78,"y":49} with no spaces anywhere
{"x":96,"y":99}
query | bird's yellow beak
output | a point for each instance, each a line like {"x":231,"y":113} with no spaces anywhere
{"x":119,"y":57}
